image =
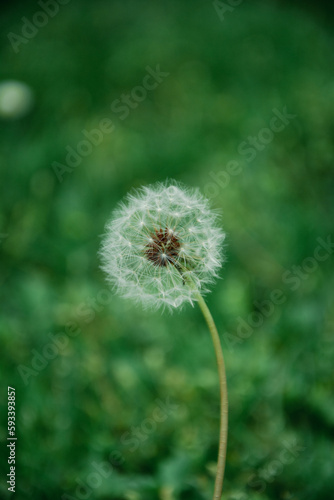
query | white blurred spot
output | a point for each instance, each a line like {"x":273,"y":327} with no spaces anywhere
{"x":16,"y":99}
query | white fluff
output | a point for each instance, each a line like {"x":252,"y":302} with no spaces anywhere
{"x":181,"y":213}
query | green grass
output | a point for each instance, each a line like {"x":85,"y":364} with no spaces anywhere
{"x":86,"y":405}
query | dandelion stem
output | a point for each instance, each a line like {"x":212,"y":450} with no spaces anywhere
{"x":223,"y":397}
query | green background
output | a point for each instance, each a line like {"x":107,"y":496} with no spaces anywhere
{"x":225,"y":78}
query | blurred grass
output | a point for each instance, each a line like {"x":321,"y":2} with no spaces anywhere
{"x":225,"y":79}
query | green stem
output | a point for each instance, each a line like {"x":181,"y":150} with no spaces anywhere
{"x":223,"y":397}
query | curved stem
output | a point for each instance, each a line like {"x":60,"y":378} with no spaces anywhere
{"x":223,"y":397}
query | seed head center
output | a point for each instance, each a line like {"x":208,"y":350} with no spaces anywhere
{"x":163,"y":248}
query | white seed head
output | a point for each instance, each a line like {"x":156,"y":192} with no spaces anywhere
{"x":161,"y":244}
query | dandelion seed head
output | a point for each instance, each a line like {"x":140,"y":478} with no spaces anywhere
{"x":160,"y":239}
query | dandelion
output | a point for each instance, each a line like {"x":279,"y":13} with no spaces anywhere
{"x":162,"y":248}
{"x":160,"y":238}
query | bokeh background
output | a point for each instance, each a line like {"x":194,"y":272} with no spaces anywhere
{"x":88,"y":423}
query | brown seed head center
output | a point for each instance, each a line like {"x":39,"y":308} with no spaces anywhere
{"x":163,"y":248}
